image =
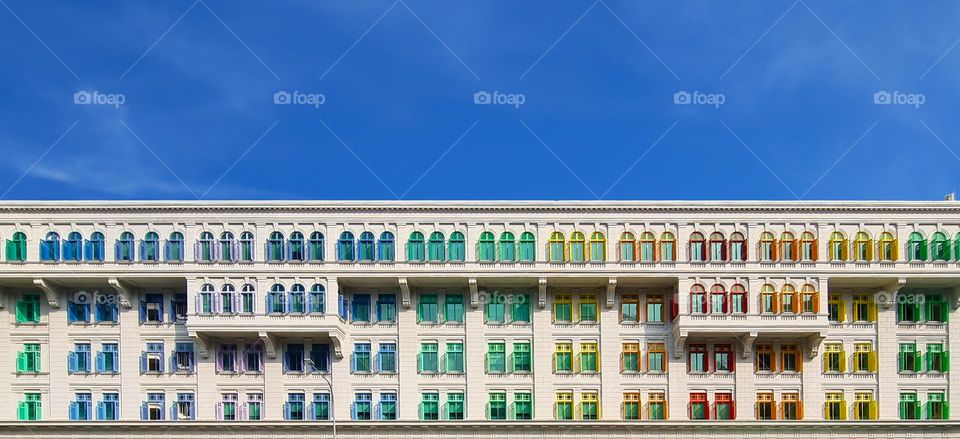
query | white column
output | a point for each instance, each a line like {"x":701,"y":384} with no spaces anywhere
{"x":887,"y":351}
{"x":611,"y":393}
{"x":542,"y":356}
{"x":408,"y":346}
{"x":475,"y":348}
{"x":131,"y":345}
{"x":59,"y":344}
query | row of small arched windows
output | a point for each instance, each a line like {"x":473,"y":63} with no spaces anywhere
{"x":438,"y":248}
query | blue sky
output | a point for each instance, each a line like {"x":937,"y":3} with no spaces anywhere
{"x":598,"y":80}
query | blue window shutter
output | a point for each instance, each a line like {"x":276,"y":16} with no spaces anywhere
{"x":87,"y":250}
{"x":143,"y":311}
{"x":101,"y":411}
{"x":269,"y":302}
{"x":117,"y":253}
{"x":71,"y":312}
{"x":143,"y":362}
{"x":143,"y":411}
{"x":143,"y":251}
{"x":72,"y":362}
{"x":286,"y":411}
{"x":353,"y":410}
{"x":114,"y":312}
{"x":100,"y":362}
{"x":173,"y":362}
{"x":73,"y":411}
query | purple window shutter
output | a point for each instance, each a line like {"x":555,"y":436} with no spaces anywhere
{"x":235,"y":254}
{"x":237,"y":303}
{"x":197,"y":309}
{"x":217,"y":305}
{"x":219,"y":360}
{"x":215,"y":249}
{"x":219,"y":411}
{"x":243,"y":411}
{"x":260,"y":357}
{"x":196,"y":251}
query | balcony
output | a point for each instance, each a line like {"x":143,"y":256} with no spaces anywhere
{"x":268,"y":328}
{"x":746,"y":328}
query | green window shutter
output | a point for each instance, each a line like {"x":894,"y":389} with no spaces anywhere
{"x":945,"y":362}
{"x":22,"y":412}
{"x":21,"y":312}
{"x":11,"y":251}
{"x":901,"y":358}
{"x":944,"y":312}
{"x":917,"y":364}
{"x":21,"y":362}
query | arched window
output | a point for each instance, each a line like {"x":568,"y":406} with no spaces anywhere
{"x":789,"y":247}
{"x":365,"y":247}
{"x":738,"y":299}
{"x":124,"y":247}
{"x":888,"y":247}
{"x":598,"y":247}
{"x":718,"y":247}
{"x":738,"y":247}
{"x":276,"y":299}
{"x":436,"y":247}
{"x":150,"y":247}
{"x":916,"y":247}
{"x":345,"y":247}
{"x":72,"y":247}
{"x":229,"y":301}
{"x":698,"y":299}
{"x":578,"y":247}
{"x":228,"y":248}
{"x":298,"y":298}
{"x":247,"y":297}
{"x":698,"y":247}
{"x":94,"y":247}
{"x":415,"y":250}
{"x":386,"y":247}
{"x":206,"y":302}
{"x":956,"y":246}
{"x":788,"y":300}
{"x":174,"y":247}
{"x":941,"y":246}
{"x":767,"y":247}
{"x":555,"y":245}
{"x":458,"y":247}
{"x":296,"y":250}
{"x":275,"y":247}
{"x":768,"y":300}
{"x":247,"y":246}
{"x":485,"y":247}
{"x":204,"y":247}
{"x":627,"y":247}
{"x":507,"y":247}
{"x":17,"y":247}
{"x":648,"y":245}
{"x":808,"y":247}
{"x":863,"y":246}
{"x":718,"y":300}
{"x":318,"y":299}
{"x":809,"y":300}
{"x":668,"y":247}
{"x":50,"y":247}
{"x":528,"y":247}
{"x":315,"y":247}
{"x":838,"y":246}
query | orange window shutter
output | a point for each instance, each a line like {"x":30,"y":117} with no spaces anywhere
{"x":816,"y":249}
{"x":775,"y":251}
{"x":656,"y":250}
{"x":796,"y":250}
{"x":816,"y":303}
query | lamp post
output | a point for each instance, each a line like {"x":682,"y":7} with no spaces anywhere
{"x":313,"y":369}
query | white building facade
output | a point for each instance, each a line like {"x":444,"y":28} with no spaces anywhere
{"x":527,"y":319}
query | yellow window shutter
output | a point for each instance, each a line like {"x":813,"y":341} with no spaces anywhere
{"x":843,"y":409}
{"x":843,"y":250}
{"x":896,"y":250}
{"x":843,"y":361}
{"x":873,"y":361}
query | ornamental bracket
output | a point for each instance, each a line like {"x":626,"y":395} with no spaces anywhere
{"x":123,"y":291}
{"x":813,"y":344}
{"x":404,"y":292}
{"x":746,"y":340}
{"x":202,"y":342}
{"x":679,"y":340}
{"x":337,"y":348}
{"x":474,"y":294}
{"x":611,"y":291}
{"x":52,"y":292}
{"x":542,"y":284}
{"x":269,"y":344}
{"x":887,"y":296}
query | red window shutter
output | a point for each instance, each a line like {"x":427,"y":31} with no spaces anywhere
{"x":706,"y":360}
{"x":732,"y":359}
{"x":726,"y":304}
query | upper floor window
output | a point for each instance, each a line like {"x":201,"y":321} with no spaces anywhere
{"x":296,"y":250}
{"x":627,"y":247}
{"x":315,"y":246}
{"x":789,"y":247}
{"x":668,"y":247}
{"x":386,"y":249}
{"x":150,"y":247}
{"x":50,"y":247}
{"x":275,"y":247}
{"x":738,"y":247}
{"x":507,"y":247}
{"x":124,"y":247}
{"x":863,"y":247}
{"x":698,"y":300}
{"x":345,"y":247}
{"x":458,"y":247}
{"x":365,"y":247}
{"x":227,"y":248}
{"x":940,"y":246}
{"x":204,"y":249}
{"x":718,"y":247}
{"x":415,"y":247}
{"x":698,"y":252}
{"x":647,"y":249}
{"x":436,"y":247}
{"x":174,"y":247}
{"x":246,"y":246}
{"x":17,"y":247}
{"x":738,"y":299}
{"x":72,"y":247}
{"x":767,"y":247}
{"x":838,"y":247}
{"x":887,"y":247}
{"x":916,"y":247}
{"x":578,"y":250}
{"x":93,"y":248}
{"x":808,"y":247}
{"x":528,"y":247}
{"x":598,"y":247}
{"x":555,"y":248}
{"x":718,"y":300}
{"x":485,"y":247}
